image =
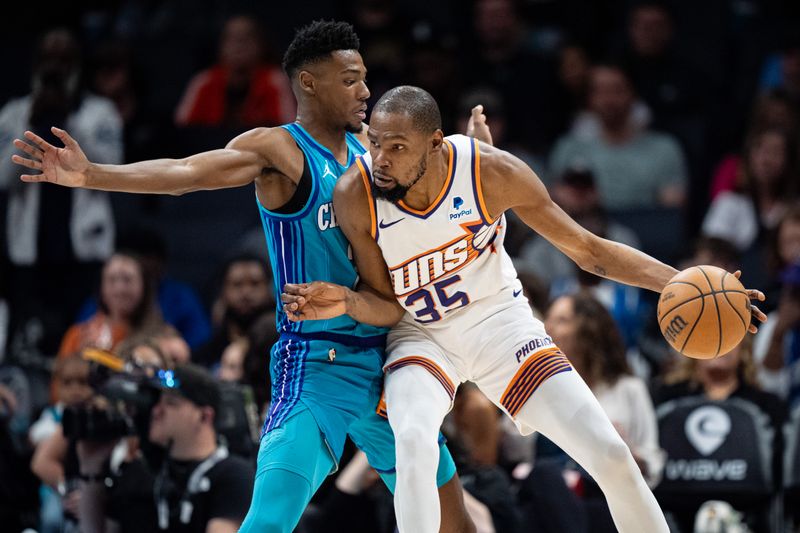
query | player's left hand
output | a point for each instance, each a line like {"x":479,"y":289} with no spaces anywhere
{"x":757,"y":313}
{"x":313,"y":301}
{"x":477,"y":127}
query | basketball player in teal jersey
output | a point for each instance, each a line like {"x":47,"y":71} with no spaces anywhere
{"x":326,"y":376}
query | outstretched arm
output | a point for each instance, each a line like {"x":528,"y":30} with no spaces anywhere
{"x":373,"y":302}
{"x":508,"y":183}
{"x":241,"y":162}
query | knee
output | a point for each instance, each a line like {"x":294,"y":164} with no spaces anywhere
{"x":417,"y":442}
{"x":615,"y":460}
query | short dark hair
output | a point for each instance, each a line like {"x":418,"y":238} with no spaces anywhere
{"x":316,"y":41}
{"x":416,"y":103}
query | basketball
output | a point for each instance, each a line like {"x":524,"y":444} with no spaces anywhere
{"x":704,"y":312}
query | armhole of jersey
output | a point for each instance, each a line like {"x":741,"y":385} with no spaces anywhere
{"x":476,"y":183}
{"x":302,"y":194}
{"x":368,"y":187}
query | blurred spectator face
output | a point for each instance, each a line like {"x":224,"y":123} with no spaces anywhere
{"x":55,"y":76}
{"x":496,"y":21}
{"x":232,"y":361}
{"x":573,"y":69}
{"x":174,"y":418}
{"x":246,"y":288}
{"x":240,"y":45}
{"x":122,"y":286}
{"x":768,"y":157}
{"x":789,"y":241}
{"x":560,"y":323}
{"x":610,"y":96}
{"x":650,"y":31}
{"x":719,"y":366}
{"x":374,"y":14}
{"x":73,"y":382}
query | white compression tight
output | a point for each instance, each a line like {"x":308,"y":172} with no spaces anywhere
{"x":563,"y":409}
{"x":417,"y":406}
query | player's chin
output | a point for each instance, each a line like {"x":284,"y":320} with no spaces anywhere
{"x":355,"y":126}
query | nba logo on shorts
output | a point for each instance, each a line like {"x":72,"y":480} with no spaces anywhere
{"x":456,"y":212}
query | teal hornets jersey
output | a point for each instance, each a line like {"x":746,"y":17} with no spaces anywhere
{"x":308,"y":245}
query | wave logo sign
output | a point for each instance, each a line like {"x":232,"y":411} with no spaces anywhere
{"x":457,"y":212}
{"x":707,"y":428}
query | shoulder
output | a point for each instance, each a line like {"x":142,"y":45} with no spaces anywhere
{"x":93,"y":104}
{"x":352,"y":183}
{"x":633,"y":386}
{"x":275,"y":144}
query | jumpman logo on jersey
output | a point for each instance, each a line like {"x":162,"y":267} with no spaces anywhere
{"x":328,"y":171}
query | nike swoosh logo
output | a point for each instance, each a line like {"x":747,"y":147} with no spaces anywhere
{"x":517,"y":293}
{"x":383,"y":225}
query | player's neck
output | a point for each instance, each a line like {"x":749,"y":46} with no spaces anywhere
{"x":331,"y":137}
{"x":422,"y":195}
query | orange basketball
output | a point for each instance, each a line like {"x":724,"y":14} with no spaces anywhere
{"x":704,"y":312}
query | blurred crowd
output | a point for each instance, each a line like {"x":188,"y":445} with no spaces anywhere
{"x":135,"y":331}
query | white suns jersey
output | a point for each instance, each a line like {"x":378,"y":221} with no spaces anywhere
{"x":450,"y":255}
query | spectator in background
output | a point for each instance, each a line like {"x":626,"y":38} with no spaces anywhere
{"x":766,"y":185}
{"x":782,"y":70}
{"x":730,"y":376}
{"x":669,"y":84}
{"x":143,"y":499}
{"x":525,"y":80}
{"x":56,"y":237}
{"x":241,"y":90}
{"x":71,"y":375}
{"x":573,"y":82}
{"x":633,"y":167}
{"x":178,"y":302}
{"x":586,"y":332}
{"x":126,"y":307}
{"x":777,"y":344}
{"x":244,"y":297}
{"x":772,"y":111}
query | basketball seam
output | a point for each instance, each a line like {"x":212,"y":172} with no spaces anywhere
{"x":697,"y":320}
{"x":730,"y":304}
{"x":693,"y":298}
{"x":716,"y":305}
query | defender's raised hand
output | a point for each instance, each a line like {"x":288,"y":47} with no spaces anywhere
{"x":314,"y":301}
{"x":477,"y":127}
{"x":63,"y":166}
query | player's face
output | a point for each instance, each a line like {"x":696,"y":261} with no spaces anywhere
{"x":399,"y":154}
{"x":341,"y":88}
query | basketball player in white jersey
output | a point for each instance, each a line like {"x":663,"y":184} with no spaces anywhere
{"x":431,"y":208}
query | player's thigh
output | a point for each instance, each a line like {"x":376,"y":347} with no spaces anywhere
{"x":519,"y":358}
{"x":373,"y":435}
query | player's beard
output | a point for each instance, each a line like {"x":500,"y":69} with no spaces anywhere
{"x":398,"y":192}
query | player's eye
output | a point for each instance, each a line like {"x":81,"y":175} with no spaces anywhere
{"x":399,"y":147}
{"x":349,"y":82}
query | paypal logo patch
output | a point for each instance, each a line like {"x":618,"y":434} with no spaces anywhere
{"x":457,"y":212}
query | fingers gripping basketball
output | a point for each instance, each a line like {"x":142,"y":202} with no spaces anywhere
{"x":704,"y":312}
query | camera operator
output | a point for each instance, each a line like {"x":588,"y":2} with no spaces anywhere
{"x":198,"y":487}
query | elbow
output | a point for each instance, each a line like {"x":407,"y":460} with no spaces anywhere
{"x":589,"y":253}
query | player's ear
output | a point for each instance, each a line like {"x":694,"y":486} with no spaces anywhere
{"x":437,"y":139}
{"x":307,"y":82}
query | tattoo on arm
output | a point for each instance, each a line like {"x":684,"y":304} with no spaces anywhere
{"x":600,"y":271}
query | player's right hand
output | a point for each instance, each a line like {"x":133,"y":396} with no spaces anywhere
{"x":318,"y":300}
{"x":65,"y":166}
